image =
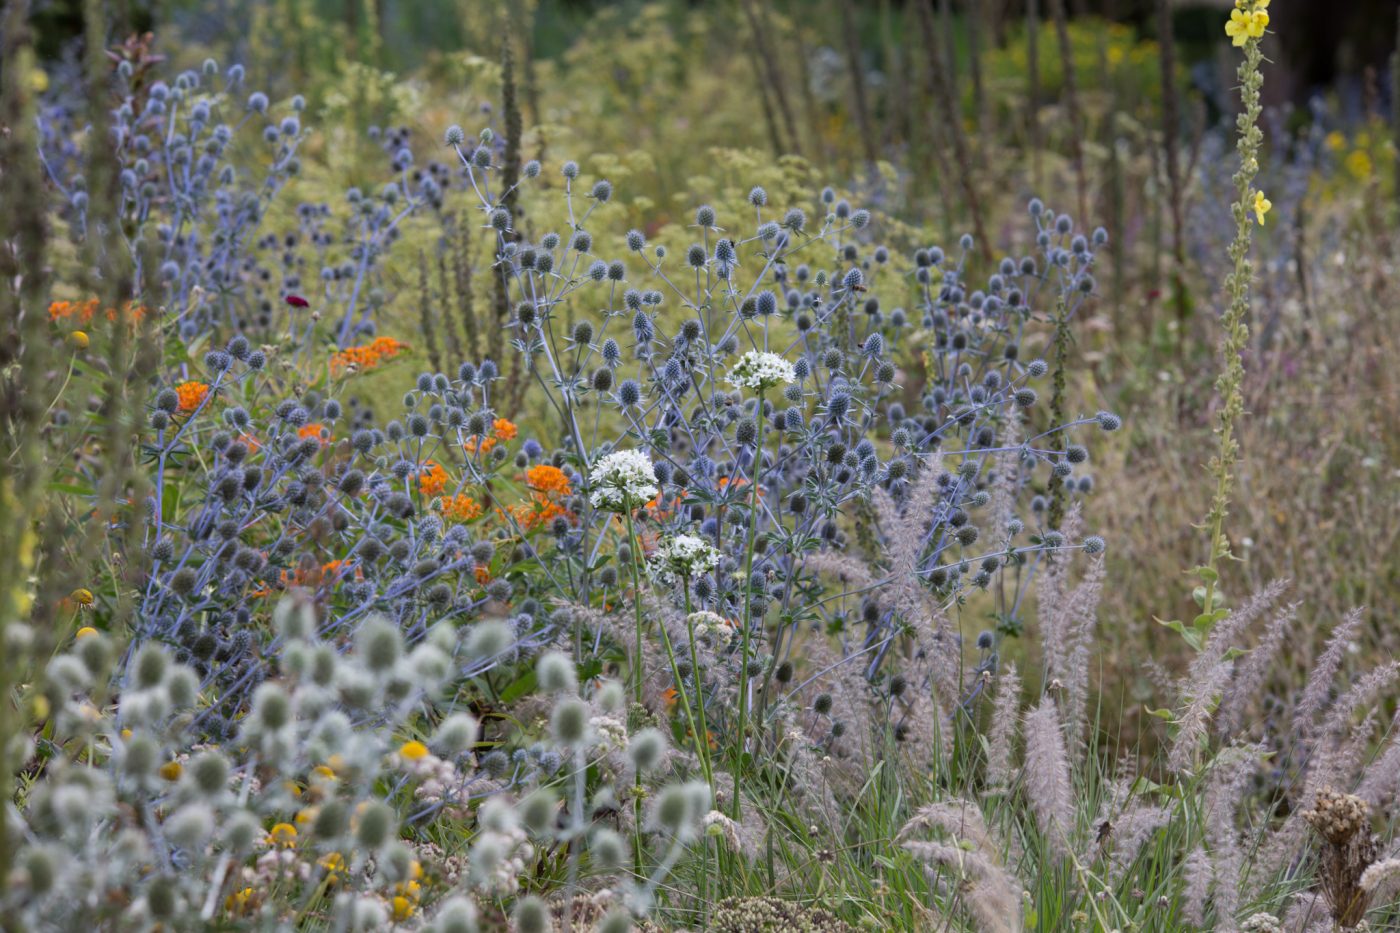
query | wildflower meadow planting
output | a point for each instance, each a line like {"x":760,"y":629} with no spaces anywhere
{"x":810,"y":465}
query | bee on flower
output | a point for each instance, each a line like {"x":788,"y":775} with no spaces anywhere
{"x":761,"y":370}
{"x":623,"y":480}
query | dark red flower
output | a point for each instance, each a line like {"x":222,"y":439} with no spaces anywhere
{"x":296,"y":301}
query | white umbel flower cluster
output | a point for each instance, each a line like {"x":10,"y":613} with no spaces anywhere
{"x":756,"y":370}
{"x":711,"y":626}
{"x":623,"y":480}
{"x":684,"y":556}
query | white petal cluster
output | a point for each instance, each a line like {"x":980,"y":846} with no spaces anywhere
{"x":757,"y":370}
{"x":623,"y":480}
{"x":710,"y":626}
{"x":684,"y":556}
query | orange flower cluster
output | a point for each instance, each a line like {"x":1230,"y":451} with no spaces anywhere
{"x":82,"y":312}
{"x":313,"y":429}
{"x":538,"y":511}
{"x":547,"y":484}
{"x":310,"y":578}
{"x":192,"y":395}
{"x":501,"y":430}
{"x":368,"y":356}
{"x":460,"y":508}
{"x":548,"y":479}
{"x":432,"y":479}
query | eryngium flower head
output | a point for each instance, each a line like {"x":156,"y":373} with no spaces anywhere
{"x":623,"y":479}
{"x":758,"y":370}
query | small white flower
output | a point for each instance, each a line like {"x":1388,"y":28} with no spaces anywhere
{"x":684,"y":556}
{"x":756,"y":370}
{"x":711,"y":624}
{"x":623,"y":480}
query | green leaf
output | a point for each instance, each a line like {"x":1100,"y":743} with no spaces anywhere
{"x":522,"y":685}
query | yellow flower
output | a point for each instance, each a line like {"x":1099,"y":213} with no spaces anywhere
{"x":84,"y":632}
{"x":413,"y":750}
{"x":81,"y":596}
{"x":322,"y":771}
{"x":1261,"y":206}
{"x":79,"y":339}
{"x":1359,"y":163}
{"x":1238,"y":27}
{"x":283,"y":834}
{"x":334,"y":864}
{"x":171,"y":770}
{"x":1258,"y":22}
{"x":403,"y":908}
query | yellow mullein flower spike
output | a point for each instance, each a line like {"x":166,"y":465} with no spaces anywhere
{"x":1261,"y":206}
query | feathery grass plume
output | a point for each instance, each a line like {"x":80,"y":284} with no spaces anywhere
{"x":1208,"y":675}
{"x":1067,"y":619}
{"x":1308,"y":914}
{"x":903,"y":531}
{"x":1046,"y":776}
{"x":1195,"y":885}
{"x":1380,"y":783}
{"x":987,"y":890}
{"x":1362,"y":696}
{"x":1251,"y":673}
{"x":1130,"y":831}
{"x":1001,"y":737}
{"x":1324,"y":673}
{"x":1230,"y":774}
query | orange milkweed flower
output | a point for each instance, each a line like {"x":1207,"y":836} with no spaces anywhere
{"x":548,"y":479}
{"x":432,"y":479}
{"x":192,"y":395}
{"x":461,"y":508}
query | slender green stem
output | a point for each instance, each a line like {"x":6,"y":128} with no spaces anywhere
{"x":702,"y":741}
{"x":632,"y":549}
{"x":745,"y":650}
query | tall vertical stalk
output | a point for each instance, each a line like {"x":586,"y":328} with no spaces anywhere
{"x":1234,"y":328}
{"x":745,"y":646}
